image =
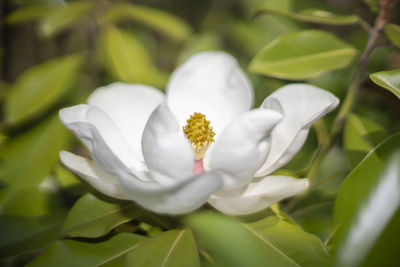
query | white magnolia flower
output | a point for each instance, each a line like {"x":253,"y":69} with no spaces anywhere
{"x":159,"y":150}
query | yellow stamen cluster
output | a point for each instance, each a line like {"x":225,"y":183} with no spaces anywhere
{"x":200,"y":133}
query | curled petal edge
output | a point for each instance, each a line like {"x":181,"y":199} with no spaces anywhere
{"x":92,"y":174}
{"x":243,"y":146}
{"x":301,"y":105}
{"x":258,"y":195}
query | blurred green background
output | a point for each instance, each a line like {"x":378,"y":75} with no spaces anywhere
{"x":54,"y":53}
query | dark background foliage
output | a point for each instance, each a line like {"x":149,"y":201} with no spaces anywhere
{"x":53,"y":54}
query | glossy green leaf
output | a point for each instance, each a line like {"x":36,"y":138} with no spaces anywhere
{"x":23,"y":233}
{"x":64,"y":16}
{"x":127,"y":59}
{"x":361,"y":135}
{"x":385,"y":250}
{"x":392,"y":31}
{"x":117,"y":262}
{"x":161,"y":21}
{"x":169,"y":249}
{"x":366,"y":203}
{"x":27,"y":13}
{"x":27,"y":159}
{"x":307,"y":10}
{"x":229,"y":243}
{"x":303,"y":248}
{"x":93,"y":217}
{"x":388,"y":79}
{"x":39,"y":87}
{"x":232,"y":243}
{"x":302,"y":55}
{"x":84,"y":254}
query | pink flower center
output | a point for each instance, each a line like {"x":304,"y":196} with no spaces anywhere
{"x":198,"y":167}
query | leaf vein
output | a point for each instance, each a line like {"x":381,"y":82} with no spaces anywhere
{"x":172,"y":248}
{"x":251,"y":230}
{"x":96,"y":218}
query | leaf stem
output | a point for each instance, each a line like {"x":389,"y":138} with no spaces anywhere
{"x":352,"y":93}
{"x":365,"y":25}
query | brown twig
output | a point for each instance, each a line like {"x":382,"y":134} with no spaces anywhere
{"x":350,"y":99}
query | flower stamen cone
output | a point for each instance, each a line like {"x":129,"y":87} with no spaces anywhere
{"x":200,"y":134}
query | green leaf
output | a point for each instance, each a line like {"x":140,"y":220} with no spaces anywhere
{"x":161,"y":21}
{"x":30,"y":201}
{"x":252,"y":35}
{"x":52,"y":19}
{"x":385,"y":250}
{"x":366,"y":203}
{"x":361,"y":135}
{"x":22,"y":233}
{"x":392,"y":31}
{"x":335,"y":81}
{"x":172,"y":248}
{"x":373,"y":5}
{"x":307,"y":10}
{"x":76,"y":253}
{"x":128,"y":60}
{"x":302,"y":55}
{"x":62,"y":17}
{"x":199,"y":43}
{"x":65,"y":177}
{"x":388,"y":79}
{"x":27,"y":159}
{"x":303,"y":248}
{"x":39,"y":87}
{"x":92,"y":217}
{"x":231,"y":243}
{"x":28,"y":13}
{"x":313,"y":211}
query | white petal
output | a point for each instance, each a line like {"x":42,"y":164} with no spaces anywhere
{"x":95,"y":129}
{"x":258,"y":195}
{"x":301,"y":105}
{"x":211,"y":83}
{"x":129,"y":107}
{"x":165,"y":147}
{"x":96,"y":177}
{"x":184,"y":196}
{"x":243,"y":146}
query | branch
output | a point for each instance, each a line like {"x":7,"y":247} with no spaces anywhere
{"x":350,"y":99}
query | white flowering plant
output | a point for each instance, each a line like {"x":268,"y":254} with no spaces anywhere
{"x":200,"y":142}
